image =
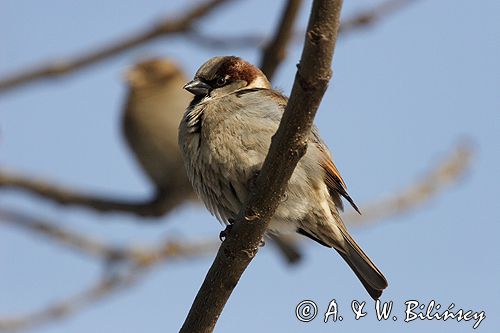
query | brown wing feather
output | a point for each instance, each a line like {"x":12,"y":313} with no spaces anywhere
{"x":334,"y":182}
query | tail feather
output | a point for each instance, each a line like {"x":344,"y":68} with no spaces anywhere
{"x":375,"y":293}
{"x":370,"y":276}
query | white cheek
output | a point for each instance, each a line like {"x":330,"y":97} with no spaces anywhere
{"x":259,"y":82}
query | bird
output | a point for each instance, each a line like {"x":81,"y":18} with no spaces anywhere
{"x":154,"y":107}
{"x":224,"y":137}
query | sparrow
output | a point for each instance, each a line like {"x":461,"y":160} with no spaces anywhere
{"x":154,"y":106}
{"x":224,"y":137}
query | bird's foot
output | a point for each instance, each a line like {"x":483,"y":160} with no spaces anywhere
{"x":224,"y":233}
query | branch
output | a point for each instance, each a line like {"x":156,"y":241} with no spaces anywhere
{"x":137,"y":255}
{"x":363,"y":20}
{"x":250,"y":41}
{"x":165,"y":27}
{"x":63,"y":308}
{"x":74,"y":240}
{"x":161,"y":204}
{"x":275,"y":51}
{"x":287,"y":147}
{"x":371,"y":16}
{"x":418,"y":193}
{"x":104,"y":287}
{"x":137,"y":261}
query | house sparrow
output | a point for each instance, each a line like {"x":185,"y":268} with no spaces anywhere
{"x":224,"y":138}
{"x":150,"y":119}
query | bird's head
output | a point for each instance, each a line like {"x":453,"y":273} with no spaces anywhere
{"x":220,"y":76}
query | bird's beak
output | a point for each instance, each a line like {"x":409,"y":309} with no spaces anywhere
{"x":197,"y":87}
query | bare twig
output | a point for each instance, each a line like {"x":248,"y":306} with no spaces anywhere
{"x":63,"y":308}
{"x":363,"y":20}
{"x":75,"y":240}
{"x":371,"y":16}
{"x":165,"y":27}
{"x":275,"y":51}
{"x":183,"y":25}
{"x":416,"y":194}
{"x":287,"y":147}
{"x":106,"y":286}
{"x":161,"y":204}
{"x":138,"y":260}
{"x":227,"y":42}
{"x":138,"y":255}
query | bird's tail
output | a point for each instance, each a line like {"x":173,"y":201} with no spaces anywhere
{"x":370,"y":276}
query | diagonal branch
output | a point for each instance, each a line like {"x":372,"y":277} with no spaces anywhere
{"x":275,"y":51}
{"x":165,"y":27}
{"x":287,"y":147}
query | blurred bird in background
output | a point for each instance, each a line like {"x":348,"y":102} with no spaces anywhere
{"x":153,"y":110}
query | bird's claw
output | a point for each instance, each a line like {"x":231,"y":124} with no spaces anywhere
{"x":224,"y":233}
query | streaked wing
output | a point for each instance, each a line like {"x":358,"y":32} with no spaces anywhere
{"x":333,"y":179}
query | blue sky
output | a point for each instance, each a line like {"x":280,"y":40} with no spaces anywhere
{"x":404,"y":93}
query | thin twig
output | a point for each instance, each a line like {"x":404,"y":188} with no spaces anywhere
{"x":138,"y":255}
{"x":63,"y":308}
{"x":362,"y":20}
{"x":275,"y":51}
{"x":168,"y":26}
{"x":160,"y":205}
{"x":287,"y":147}
{"x":369,"y":17}
{"x":106,"y":286}
{"x":227,"y":42}
{"x":74,"y":240}
{"x":418,"y":193}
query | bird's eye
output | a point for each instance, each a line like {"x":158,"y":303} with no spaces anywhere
{"x":221,"y":81}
